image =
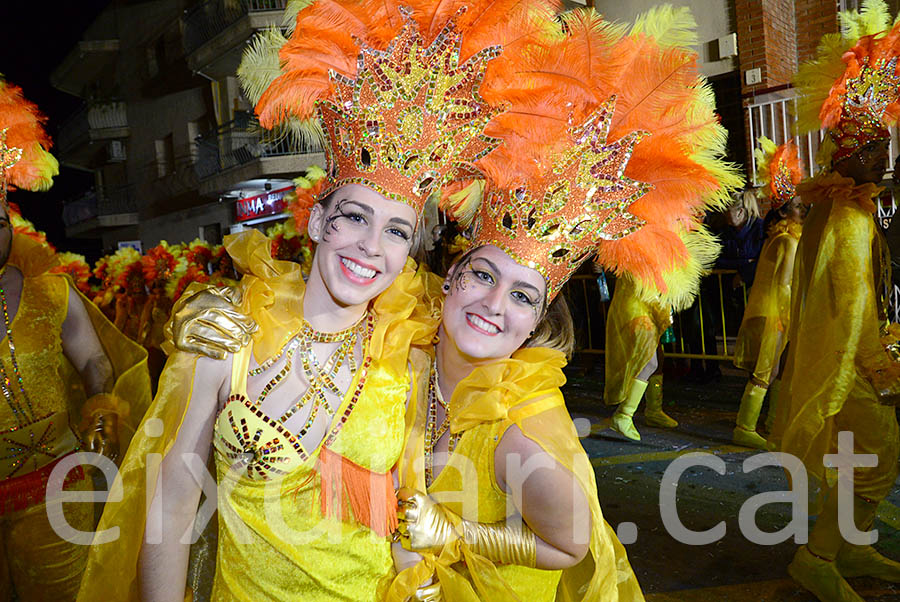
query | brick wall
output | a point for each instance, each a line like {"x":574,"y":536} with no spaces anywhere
{"x":815,"y":18}
{"x":767,"y":39}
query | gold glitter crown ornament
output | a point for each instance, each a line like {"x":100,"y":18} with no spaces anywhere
{"x":555,"y":221}
{"x":611,"y":150}
{"x":398,"y":114}
{"x":8,"y":158}
{"x":852,"y":87}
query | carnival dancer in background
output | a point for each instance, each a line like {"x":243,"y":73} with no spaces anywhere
{"x":633,"y":359}
{"x":71,"y":380}
{"x":839,"y":375}
{"x":763,"y":333}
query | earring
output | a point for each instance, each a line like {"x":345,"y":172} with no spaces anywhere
{"x":531,"y":334}
{"x":446,"y":287}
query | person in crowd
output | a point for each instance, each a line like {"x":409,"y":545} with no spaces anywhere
{"x":840,"y":378}
{"x":740,"y":231}
{"x":70,"y":381}
{"x":763,"y":334}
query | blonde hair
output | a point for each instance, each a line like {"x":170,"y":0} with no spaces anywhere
{"x":555,"y":330}
{"x":748,"y":200}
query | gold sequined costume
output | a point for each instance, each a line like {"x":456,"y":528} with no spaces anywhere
{"x":312,"y":523}
{"x":38,"y":428}
{"x":522,"y":391}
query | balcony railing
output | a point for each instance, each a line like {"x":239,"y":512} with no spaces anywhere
{"x":91,"y":121}
{"x":237,"y":143}
{"x":112,"y":202}
{"x":210,"y":18}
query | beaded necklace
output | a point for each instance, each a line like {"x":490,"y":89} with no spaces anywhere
{"x":22,"y":415}
{"x":433,"y":432}
{"x":320,"y":377}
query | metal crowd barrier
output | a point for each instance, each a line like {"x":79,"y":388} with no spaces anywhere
{"x":718,"y":324}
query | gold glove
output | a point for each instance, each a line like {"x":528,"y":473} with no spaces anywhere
{"x":424,"y":525}
{"x":429,"y":593}
{"x":210,"y":323}
{"x":102,"y":436}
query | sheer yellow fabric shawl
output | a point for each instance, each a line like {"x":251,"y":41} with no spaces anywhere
{"x":523,"y":390}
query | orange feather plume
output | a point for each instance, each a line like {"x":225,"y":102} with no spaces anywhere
{"x":25,"y":130}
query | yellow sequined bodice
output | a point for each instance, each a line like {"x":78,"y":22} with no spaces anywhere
{"x":35,"y":426}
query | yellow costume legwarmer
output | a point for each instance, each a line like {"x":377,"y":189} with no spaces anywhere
{"x":653,"y":411}
{"x":748,"y":414}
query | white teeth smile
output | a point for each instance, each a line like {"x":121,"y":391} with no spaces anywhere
{"x":483,"y":325}
{"x":357,"y":269}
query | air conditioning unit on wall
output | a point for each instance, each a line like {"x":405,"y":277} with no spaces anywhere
{"x":115,"y":151}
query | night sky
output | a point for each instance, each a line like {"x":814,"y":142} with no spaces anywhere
{"x":36,"y":38}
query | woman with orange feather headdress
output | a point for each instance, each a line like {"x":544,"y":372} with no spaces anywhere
{"x":841,"y":382}
{"x":74,"y":379}
{"x":590,"y":165}
{"x":763,"y":333}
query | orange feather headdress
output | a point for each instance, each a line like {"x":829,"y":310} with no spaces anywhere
{"x":852,"y":87}
{"x":611,"y":148}
{"x":393,"y":91}
{"x":24,"y":160}
{"x":778,"y":169}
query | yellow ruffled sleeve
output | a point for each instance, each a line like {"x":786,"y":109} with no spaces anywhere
{"x":111,"y":572}
{"x":271,"y":291}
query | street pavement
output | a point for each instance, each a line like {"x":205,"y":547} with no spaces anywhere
{"x":629,"y":474}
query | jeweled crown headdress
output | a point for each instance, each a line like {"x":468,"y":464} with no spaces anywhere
{"x":555,"y":221}
{"x":612,"y":150}
{"x":852,"y":87}
{"x":24,"y":160}
{"x":778,"y":170}
{"x":398,"y":113}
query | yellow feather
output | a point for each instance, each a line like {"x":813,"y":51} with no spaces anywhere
{"x":261,"y":64}
{"x":669,"y":26}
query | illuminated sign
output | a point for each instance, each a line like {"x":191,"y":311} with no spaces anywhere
{"x":261,"y":205}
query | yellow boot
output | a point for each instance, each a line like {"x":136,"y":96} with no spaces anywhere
{"x":745,"y":431}
{"x":774,"y":390}
{"x":653,"y":412}
{"x":814,"y":565}
{"x":622,"y":421}
{"x":866,"y":561}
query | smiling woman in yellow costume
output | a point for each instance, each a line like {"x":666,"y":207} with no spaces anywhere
{"x":839,"y":375}
{"x":306,"y":422}
{"x":613,"y":176}
{"x":763,"y":333}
